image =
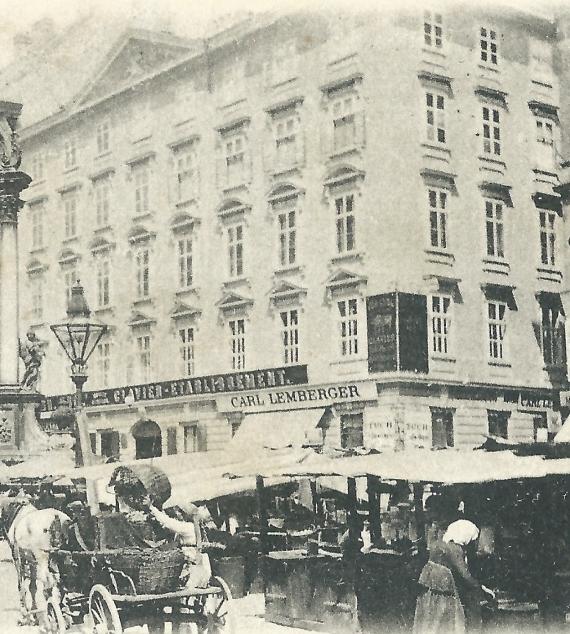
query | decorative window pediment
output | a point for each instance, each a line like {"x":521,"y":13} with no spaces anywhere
{"x":184,"y":311}
{"x":229,"y":209}
{"x":286,"y":291}
{"x":343,"y":175}
{"x":182,"y":223}
{"x":69,"y":187}
{"x":140,"y":158}
{"x":541,"y":109}
{"x":35,"y":267}
{"x":550,"y":300}
{"x":493,"y":95}
{"x":283,"y":106}
{"x":140,"y":320}
{"x":439,"y":179}
{"x":68,"y":257}
{"x":105,"y":172}
{"x":331,"y":88}
{"x":435,"y":80}
{"x":284,"y":192}
{"x":443,"y":285}
{"x":100,"y":245}
{"x":183,"y":143}
{"x":343,"y":280}
{"x":231,"y":127}
{"x":233,"y":302}
{"x":500,"y":292}
{"x":140,"y":234}
{"x":499,"y":191}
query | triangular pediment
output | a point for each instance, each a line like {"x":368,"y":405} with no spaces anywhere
{"x":67,"y":256}
{"x":234,"y":300}
{"x":342,"y":277}
{"x":184,"y":311}
{"x":140,"y":319}
{"x":136,"y":54}
{"x":285,"y":288}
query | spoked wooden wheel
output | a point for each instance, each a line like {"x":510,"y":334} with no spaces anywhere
{"x":55,"y":621}
{"x":218,"y":612}
{"x":103,"y":613}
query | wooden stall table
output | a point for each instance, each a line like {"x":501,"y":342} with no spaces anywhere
{"x":310,"y":591}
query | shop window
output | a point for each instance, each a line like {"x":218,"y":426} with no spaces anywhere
{"x":442,"y":432}
{"x":351,"y":431}
{"x":194,"y":438}
{"x":433,"y":30}
{"x":488,"y":42}
{"x":498,"y":423}
{"x":494,"y":229}
{"x":110,"y":444}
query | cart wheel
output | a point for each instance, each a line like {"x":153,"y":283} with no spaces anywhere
{"x":219,"y":617}
{"x":55,"y":621}
{"x":103,"y":614}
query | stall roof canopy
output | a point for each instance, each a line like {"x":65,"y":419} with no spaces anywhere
{"x":450,"y":466}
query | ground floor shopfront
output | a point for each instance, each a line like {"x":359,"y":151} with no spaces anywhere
{"x":279,"y":407}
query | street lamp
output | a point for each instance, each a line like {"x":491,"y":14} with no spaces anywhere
{"x":79,"y":337}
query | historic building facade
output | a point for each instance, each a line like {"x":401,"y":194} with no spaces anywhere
{"x":312,"y":228}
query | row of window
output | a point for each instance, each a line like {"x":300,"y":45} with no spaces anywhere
{"x":350,"y":338}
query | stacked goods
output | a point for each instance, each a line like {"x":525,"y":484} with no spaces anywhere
{"x":133,"y":483}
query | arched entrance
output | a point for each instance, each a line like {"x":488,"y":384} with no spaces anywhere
{"x":148,"y":439}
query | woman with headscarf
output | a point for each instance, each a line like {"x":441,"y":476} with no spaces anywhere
{"x":450,"y":597}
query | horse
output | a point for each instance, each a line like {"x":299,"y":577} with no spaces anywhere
{"x":31,"y":534}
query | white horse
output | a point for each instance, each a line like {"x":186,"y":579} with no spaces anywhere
{"x":31,"y":535}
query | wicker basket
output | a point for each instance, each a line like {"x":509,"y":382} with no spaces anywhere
{"x":152,"y":479}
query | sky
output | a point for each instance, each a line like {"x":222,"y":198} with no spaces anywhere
{"x":183,"y":17}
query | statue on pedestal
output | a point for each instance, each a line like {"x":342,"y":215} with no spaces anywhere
{"x":31,"y":352}
{"x":10,"y":153}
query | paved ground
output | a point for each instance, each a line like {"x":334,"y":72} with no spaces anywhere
{"x":249,"y":610}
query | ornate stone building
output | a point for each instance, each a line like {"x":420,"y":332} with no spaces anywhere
{"x":308,"y":226}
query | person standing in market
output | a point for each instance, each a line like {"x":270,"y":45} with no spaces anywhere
{"x":450,"y":597}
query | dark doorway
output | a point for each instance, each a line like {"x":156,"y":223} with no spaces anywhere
{"x":148,"y":439}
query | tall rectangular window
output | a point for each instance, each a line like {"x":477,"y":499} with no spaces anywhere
{"x":498,"y":423}
{"x":37,"y":221}
{"x":103,"y":137}
{"x":488,"y":46}
{"x":547,"y":237}
{"x":351,"y":431}
{"x":144,"y":357}
{"x":433,"y":30}
{"x":237,"y":334}
{"x":185,"y":268}
{"x":191,"y":439}
{"x":437,"y":200}
{"x":38,"y":167}
{"x":545,"y":141}
{"x":287,"y":238}
{"x":491,"y":131}
{"x":235,"y":250}
{"x":442,"y":434}
{"x":70,"y":214}
{"x":103,"y":273}
{"x":235,"y":159}
{"x":345,"y":223}
{"x":186,"y":173}
{"x":37,"y":288}
{"x":440,"y":316}
{"x":102,"y":190}
{"x":348,"y":313}
{"x":186,"y":343}
{"x":70,"y":280}
{"x":435,"y":117}
{"x":495,"y":229}
{"x":344,"y":123}
{"x":70,"y":153}
{"x":103,"y":361}
{"x":141,"y":176}
{"x":290,"y":335}
{"x":142,"y":268}
{"x":497,"y":329}
{"x":286,"y":140}
{"x":553,"y":332}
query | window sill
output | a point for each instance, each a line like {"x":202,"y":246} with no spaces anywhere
{"x":103,"y":155}
{"x":549,"y":274}
{"x":440,"y":148}
{"x":282,"y":169}
{"x":238,"y":281}
{"x":103,"y":229}
{"x":496,"y":265}
{"x":70,"y":170}
{"x":348,"y":151}
{"x":38,"y":250}
{"x":497,"y":363}
{"x":491,"y":68}
{"x":356,"y":256}
{"x":186,"y":202}
{"x":434,"y":52}
{"x":293,"y":269}
{"x":543,"y":83}
{"x":439,"y":256}
{"x":143,"y":301}
{"x":488,"y":163}
{"x":36,"y":325}
{"x":70,"y":239}
{"x":442,"y":358}
{"x":143,"y":215}
{"x":104,"y":310}
{"x":228,"y":189}
{"x":186,"y":291}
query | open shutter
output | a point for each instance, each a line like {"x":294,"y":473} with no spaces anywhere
{"x":171,"y":447}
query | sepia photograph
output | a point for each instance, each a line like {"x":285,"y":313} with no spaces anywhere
{"x":283,"y":342}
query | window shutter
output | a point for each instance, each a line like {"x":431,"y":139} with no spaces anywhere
{"x":171,"y":441}
{"x":359,"y":129}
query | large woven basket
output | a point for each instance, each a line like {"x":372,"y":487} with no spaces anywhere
{"x":154,"y":481}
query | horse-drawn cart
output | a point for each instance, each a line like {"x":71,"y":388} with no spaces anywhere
{"x":111,"y":590}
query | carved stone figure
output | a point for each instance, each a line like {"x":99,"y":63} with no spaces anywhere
{"x":10,"y":153}
{"x":32,"y":354}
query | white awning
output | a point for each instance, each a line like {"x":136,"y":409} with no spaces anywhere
{"x":275,"y":430}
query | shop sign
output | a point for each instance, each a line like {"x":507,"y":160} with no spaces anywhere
{"x":306,"y":397}
{"x":529,"y":400}
{"x":195,"y":386}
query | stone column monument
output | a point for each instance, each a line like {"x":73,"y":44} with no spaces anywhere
{"x":19,"y":431}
